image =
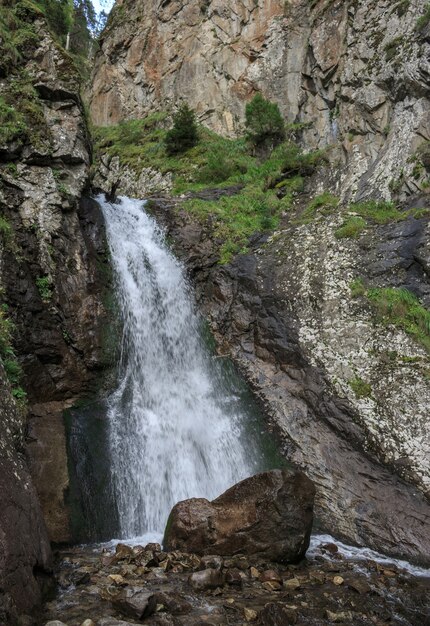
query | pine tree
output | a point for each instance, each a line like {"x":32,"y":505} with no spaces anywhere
{"x":184,"y":134}
{"x":265,"y":127}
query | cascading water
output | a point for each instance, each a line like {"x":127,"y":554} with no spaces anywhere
{"x":176,"y":429}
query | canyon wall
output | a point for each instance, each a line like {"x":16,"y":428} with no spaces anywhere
{"x":355,"y":74}
{"x":53,"y":281}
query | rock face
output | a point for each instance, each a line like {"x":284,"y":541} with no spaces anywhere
{"x":286,"y":315}
{"x":269,"y":516}
{"x":24,"y":546}
{"x":355,"y":74}
{"x":51,"y":268}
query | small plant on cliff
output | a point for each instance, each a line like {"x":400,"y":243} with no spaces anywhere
{"x":424,"y":20}
{"x":184,"y":134}
{"x":360,"y":388}
{"x":43,"y":284}
{"x":265,"y":126}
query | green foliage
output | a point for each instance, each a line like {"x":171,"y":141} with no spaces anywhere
{"x":21,"y":112}
{"x":43,"y":284}
{"x":265,"y":126}
{"x":6,"y":232}
{"x":184,"y":134}
{"x":360,"y":388}
{"x":17,"y":34}
{"x":352,"y":227}
{"x":402,"y":308}
{"x":424,"y":20}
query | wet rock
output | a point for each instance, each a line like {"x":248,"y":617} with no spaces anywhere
{"x":123,"y":552}
{"x":338,"y":580}
{"x":206,"y":579}
{"x":111,"y":621}
{"x":55,"y":622}
{"x":254,"y":573}
{"x":341,"y":617}
{"x":270,"y":574}
{"x":277,"y":614}
{"x":233,"y":577}
{"x":272,"y":585}
{"x":88,"y":622}
{"x":292,"y":583}
{"x":213,"y":561}
{"x":269,"y":515}
{"x":360,"y":585}
{"x":135,"y":603}
{"x":174,"y":603}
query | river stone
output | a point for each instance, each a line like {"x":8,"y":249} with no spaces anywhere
{"x":268,"y":516}
{"x":135,"y":602}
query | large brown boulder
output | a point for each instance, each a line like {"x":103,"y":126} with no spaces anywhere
{"x":269,"y":515}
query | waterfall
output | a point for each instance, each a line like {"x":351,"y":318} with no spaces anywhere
{"x":176,"y":428}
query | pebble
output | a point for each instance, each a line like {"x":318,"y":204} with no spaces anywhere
{"x":250,"y":615}
{"x":254,"y":573}
{"x":292,"y":583}
{"x":338,"y":580}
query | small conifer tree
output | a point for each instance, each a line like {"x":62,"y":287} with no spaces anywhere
{"x":265,"y":127}
{"x":184,"y":134}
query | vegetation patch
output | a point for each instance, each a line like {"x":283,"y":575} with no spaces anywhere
{"x":402,"y":309}
{"x":424,"y":20}
{"x":7,"y":355}
{"x":44,"y":286}
{"x":266,"y":186}
{"x":360,"y":388}
{"x":352,"y":227}
{"x":324,"y":204}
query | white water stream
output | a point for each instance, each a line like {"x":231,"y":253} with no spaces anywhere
{"x":175,"y":430}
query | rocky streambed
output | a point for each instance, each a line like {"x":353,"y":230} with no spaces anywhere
{"x":117,"y":586}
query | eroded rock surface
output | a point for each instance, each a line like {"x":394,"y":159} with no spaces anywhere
{"x":268,"y":516}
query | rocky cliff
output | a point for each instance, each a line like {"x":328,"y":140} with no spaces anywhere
{"x":355,"y":74}
{"x":52,"y":289}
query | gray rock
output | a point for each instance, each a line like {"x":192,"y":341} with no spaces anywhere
{"x":206,"y":579}
{"x":135,"y":602}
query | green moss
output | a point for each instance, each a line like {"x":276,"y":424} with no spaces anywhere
{"x":392,"y":48}
{"x":44,"y":285}
{"x":402,"y":309}
{"x":360,"y":388}
{"x":352,"y":227}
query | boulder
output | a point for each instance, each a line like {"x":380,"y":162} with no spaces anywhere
{"x":135,"y":603}
{"x":267,"y":516}
{"x":206,"y":579}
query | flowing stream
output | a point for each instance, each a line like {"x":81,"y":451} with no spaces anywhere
{"x":176,"y":426}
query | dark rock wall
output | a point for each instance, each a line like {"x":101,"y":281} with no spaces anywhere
{"x":54,"y":280}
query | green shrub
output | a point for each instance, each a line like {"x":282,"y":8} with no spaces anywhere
{"x":184,"y":134}
{"x":351,"y":228}
{"x":265,"y":126}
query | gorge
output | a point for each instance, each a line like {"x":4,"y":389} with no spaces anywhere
{"x":305,"y":273}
